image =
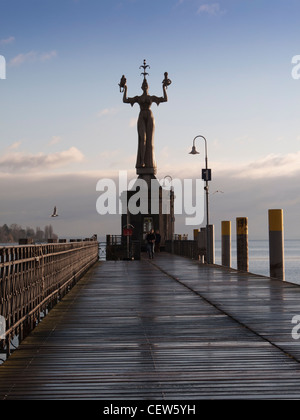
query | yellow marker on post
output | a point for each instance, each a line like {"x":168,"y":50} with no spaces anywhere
{"x":195,"y":232}
{"x":276,"y":244}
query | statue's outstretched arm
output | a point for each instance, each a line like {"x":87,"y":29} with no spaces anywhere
{"x":127,"y":100}
{"x":164,"y":98}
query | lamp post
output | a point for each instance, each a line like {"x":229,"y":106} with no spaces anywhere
{"x":206,"y":176}
{"x":171,"y":201}
{"x":127,"y":231}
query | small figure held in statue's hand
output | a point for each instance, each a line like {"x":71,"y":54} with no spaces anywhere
{"x":166,"y":82}
{"x":122,"y":83}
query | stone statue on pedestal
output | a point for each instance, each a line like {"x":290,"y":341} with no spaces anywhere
{"x":149,"y":201}
{"x":145,"y":163}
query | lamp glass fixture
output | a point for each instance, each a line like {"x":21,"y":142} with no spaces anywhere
{"x":194,"y":151}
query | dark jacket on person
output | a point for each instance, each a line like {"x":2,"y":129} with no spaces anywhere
{"x":150,"y":238}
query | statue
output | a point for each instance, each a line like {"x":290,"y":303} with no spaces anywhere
{"x":145,"y":163}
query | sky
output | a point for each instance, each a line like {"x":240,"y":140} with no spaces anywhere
{"x":63,"y":125}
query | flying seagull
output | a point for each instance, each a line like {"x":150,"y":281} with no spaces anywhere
{"x":54,"y":214}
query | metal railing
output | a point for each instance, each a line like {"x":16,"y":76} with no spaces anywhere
{"x":33,"y":278}
{"x":185,"y":248}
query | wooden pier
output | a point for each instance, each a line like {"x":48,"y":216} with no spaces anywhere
{"x":168,"y":328}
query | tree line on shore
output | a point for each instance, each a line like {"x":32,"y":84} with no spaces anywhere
{"x":14,"y":232}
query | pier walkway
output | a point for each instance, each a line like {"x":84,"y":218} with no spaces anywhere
{"x":167,"y":328}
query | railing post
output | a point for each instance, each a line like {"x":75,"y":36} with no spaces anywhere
{"x":226,"y":243}
{"x":276,"y":244}
{"x":242,"y":243}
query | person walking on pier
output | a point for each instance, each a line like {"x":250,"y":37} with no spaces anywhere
{"x":150,"y":238}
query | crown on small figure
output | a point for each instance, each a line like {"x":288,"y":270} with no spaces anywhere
{"x":144,"y":66}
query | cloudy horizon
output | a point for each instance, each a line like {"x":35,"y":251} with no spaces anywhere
{"x":250,"y":190}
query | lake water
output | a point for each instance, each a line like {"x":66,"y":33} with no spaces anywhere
{"x":259,"y":258}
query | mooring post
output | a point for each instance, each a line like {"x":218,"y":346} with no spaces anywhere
{"x":276,"y":244}
{"x":211,"y":245}
{"x":195,"y":234}
{"x":242,"y":243}
{"x":226,"y":243}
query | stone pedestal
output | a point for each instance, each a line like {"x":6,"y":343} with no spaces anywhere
{"x":144,"y":172}
{"x":148,"y":206}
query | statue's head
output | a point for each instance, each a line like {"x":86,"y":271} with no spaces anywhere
{"x":145,"y":86}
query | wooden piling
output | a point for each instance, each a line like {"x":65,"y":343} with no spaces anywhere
{"x":211,"y":251}
{"x":276,"y":244}
{"x":195,"y":234}
{"x":226,"y":243}
{"x":242,"y":243}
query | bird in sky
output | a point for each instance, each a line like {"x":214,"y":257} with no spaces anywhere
{"x":54,"y":214}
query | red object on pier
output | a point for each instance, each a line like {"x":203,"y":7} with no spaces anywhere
{"x":127,"y":232}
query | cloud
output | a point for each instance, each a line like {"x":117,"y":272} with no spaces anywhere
{"x":271,"y":166}
{"x":7,"y":41}
{"x":133,"y":122}
{"x":211,"y":9}
{"x":164,"y":154}
{"x":15,"y":145}
{"x":22,"y":58}
{"x":107,"y":111}
{"x":30,"y":195}
{"x":32,"y":56}
{"x":250,"y":189}
{"x":47,"y":56}
{"x":108,"y":155}
{"x":12,"y":162}
{"x":55,"y":140}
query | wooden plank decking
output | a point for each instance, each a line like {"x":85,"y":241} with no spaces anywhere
{"x":162,"y":329}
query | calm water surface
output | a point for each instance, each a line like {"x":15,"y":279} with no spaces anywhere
{"x":259,"y":258}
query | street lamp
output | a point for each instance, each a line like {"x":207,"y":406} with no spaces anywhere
{"x":206,"y":176}
{"x":170,"y":230}
{"x":127,"y":231}
{"x":168,"y":176}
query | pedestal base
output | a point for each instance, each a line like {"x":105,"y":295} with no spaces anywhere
{"x":155,"y":201}
{"x":146,"y":171}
